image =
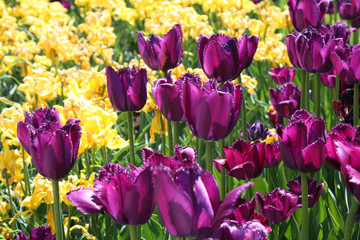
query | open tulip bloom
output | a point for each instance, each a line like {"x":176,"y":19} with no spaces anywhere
{"x":285,"y":99}
{"x":346,"y":63}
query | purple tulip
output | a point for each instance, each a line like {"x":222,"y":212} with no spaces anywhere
{"x":305,"y":13}
{"x":162,"y":53}
{"x":52,"y":147}
{"x":282,"y":75}
{"x":303,"y":142}
{"x":275,"y":117}
{"x":338,"y":30}
{"x":328,"y":78}
{"x":66,"y":4}
{"x":356,"y":6}
{"x":252,"y":230}
{"x":41,"y":232}
{"x":345,"y":9}
{"x":244,"y":160}
{"x":188,"y":201}
{"x":346,"y":61}
{"x":343,"y":145}
{"x":211,"y":113}
{"x":223,"y":57}
{"x":278,"y":205}
{"x":272,"y":155}
{"x":314,"y":190}
{"x":352,"y":180}
{"x":127,"y":88}
{"x":167,"y":98}
{"x":128,"y":196}
{"x":285,"y":99}
{"x":257,"y":131}
{"x":310,"y":50}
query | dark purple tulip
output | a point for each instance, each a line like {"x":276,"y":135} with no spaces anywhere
{"x":127,"y":88}
{"x":243,"y":211}
{"x":244,"y":160}
{"x":167,"y":98}
{"x":272,"y":155}
{"x":285,"y":99}
{"x":278,"y":205}
{"x":188,"y":201}
{"x":282,"y":75}
{"x":211,"y":113}
{"x":162,"y":53}
{"x":128,"y":196}
{"x":310,"y":50}
{"x":52,"y":147}
{"x":345,"y":9}
{"x":305,"y":13}
{"x":341,"y":112}
{"x":303,"y":142}
{"x":330,"y":9}
{"x":41,"y":232}
{"x":356,"y":6}
{"x":328,"y":78}
{"x":275,"y":117}
{"x":352,"y":180}
{"x":338,"y":30}
{"x":252,"y":230}
{"x":257,"y":131}
{"x":66,"y":4}
{"x":223,"y":58}
{"x":343,"y":145}
{"x":314,"y":190}
{"x":346,"y":62}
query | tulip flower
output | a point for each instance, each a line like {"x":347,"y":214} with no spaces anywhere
{"x":127,"y":88}
{"x":343,"y":145}
{"x":303,"y":142}
{"x":272,"y":154}
{"x":41,"y":232}
{"x":188,"y":201}
{"x":285,"y":99}
{"x":352,"y":179}
{"x":345,"y":10}
{"x":257,"y":131}
{"x":310,"y":50}
{"x":338,"y":30}
{"x":53,"y":147}
{"x":223,"y":58}
{"x":305,"y":13}
{"x":162,"y":53}
{"x":127,"y":196}
{"x":278,"y":205}
{"x":282,"y":75}
{"x":314,"y":190}
{"x":328,"y":78}
{"x":346,"y":61}
{"x":252,"y":230}
{"x":356,"y":6}
{"x":167,"y":98}
{"x":211,"y":113}
{"x":274,"y":116}
{"x":244,"y":160}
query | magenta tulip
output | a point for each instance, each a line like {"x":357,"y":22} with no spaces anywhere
{"x":231,"y":230}
{"x":285,"y":99}
{"x":346,"y":61}
{"x":41,"y":232}
{"x":282,"y":75}
{"x":314,"y":190}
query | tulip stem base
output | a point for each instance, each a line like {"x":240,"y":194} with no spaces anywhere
{"x":356,"y":105}
{"x":133,"y":232}
{"x":176,"y":132}
{"x":26,"y":175}
{"x":170,"y":137}
{"x":317,"y":99}
{"x":131,"y":137}
{"x":222,"y":174}
{"x":57,"y":212}
{"x":209,"y":156}
{"x":304,"y":202}
{"x":349,"y":224}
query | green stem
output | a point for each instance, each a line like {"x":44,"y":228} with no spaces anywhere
{"x":131,"y":137}
{"x":163,"y":141}
{"x":243,"y":114}
{"x":303,"y":89}
{"x":26,"y":175}
{"x":105,"y":155}
{"x":355,"y":37}
{"x":349,"y":224}
{"x":304,"y":202}
{"x":222,"y":174}
{"x":176,"y":132}
{"x":281,"y":169}
{"x":317,"y":95}
{"x":356,"y":105}
{"x":276,"y":232}
{"x":57,"y":212}
{"x":209,"y":156}
{"x":87,"y":163}
{"x":306,"y":94}
{"x":69,"y":223}
{"x":115,"y":231}
{"x":170,"y":137}
{"x":133,"y":232}
{"x":10,"y":199}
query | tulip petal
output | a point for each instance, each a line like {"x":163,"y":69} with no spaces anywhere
{"x":85,"y":200}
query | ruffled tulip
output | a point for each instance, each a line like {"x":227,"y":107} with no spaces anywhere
{"x":285,"y":99}
{"x":310,"y":50}
{"x":244,"y":160}
{"x":252,"y":230}
{"x":314,"y":190}
{"x":167,"y":98}
{"x":352,"y":180}
{"x":188,"y":201}
{"x":272,"y":154}
{"x":282,"y":75}
{"x":303,"y":142}
{"x":52,"y":147}
{"x":223,"y":57}
{"x":305,"y":13}
{"x":343,"y":145}
{"x":162,"y":53}
{"x":345,"y":10}
{"x":127,"y":88}
{"x":211,"y":113}
{"x":127,"y":196}
{"x":346,"y":62}
{"x":338,"y":30}
{"x":278,"y":205}
{"x":41,"y":232}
